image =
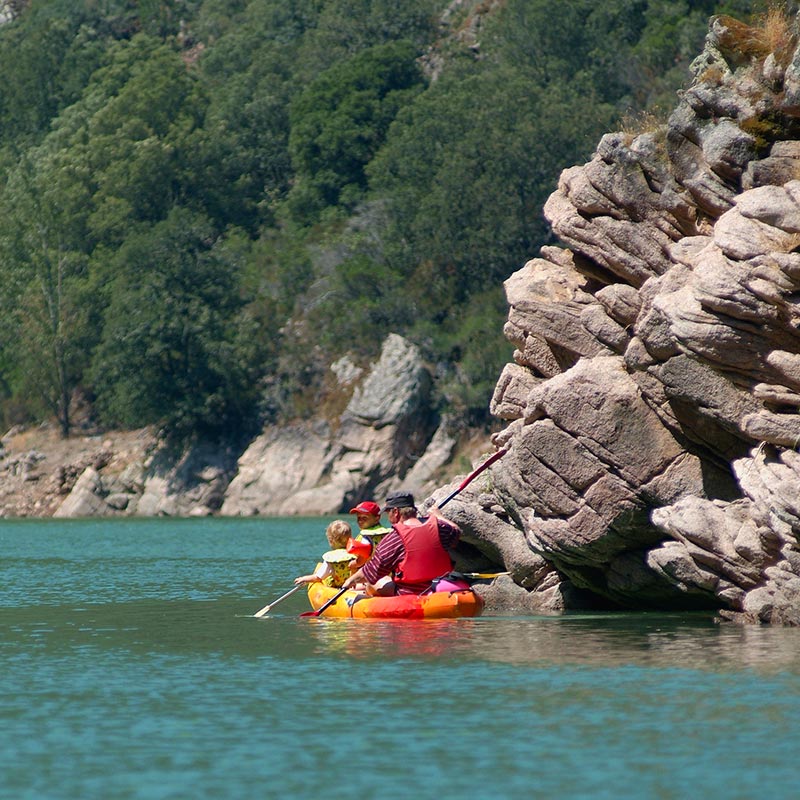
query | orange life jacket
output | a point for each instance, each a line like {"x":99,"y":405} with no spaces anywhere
{"x":425,"y":558}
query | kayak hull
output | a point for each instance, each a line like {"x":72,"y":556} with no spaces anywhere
{"x":436,"y":605}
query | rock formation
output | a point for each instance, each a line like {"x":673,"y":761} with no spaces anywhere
{"x":387,"y":433}
{"x":653,"y":400}
{"x":312,"y":468}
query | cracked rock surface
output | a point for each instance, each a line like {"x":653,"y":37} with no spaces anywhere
{"x":652,"y":403}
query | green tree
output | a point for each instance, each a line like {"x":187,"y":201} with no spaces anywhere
{"x":241,"y":169}
{"x":464,"y":216}
{"x":43,"y":309}
{"x":343,"y":28}
{"x":470,"y":352}
{"x":32,"y":50}
{"x":136,"y":137}
{"x":47,"y":55}
{"x":341,"y":119}
{"x":170,"y":351}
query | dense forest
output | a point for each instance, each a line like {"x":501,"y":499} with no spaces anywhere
{"x":204,"y":204}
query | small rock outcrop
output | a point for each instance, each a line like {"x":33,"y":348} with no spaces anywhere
{"x":320,"y":468}
{"x":388,"y":432}
{"x":653,"y":404}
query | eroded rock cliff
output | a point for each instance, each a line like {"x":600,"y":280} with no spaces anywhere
{"x":653,"y":401}
{"x":316,"y":469}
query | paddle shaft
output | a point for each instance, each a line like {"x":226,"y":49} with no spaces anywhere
{"x":275,"y":602}
{"x":330,"y":602}
{"x":482,"y":576}
{"x":474,"y":474}
{"x":471,"y":477}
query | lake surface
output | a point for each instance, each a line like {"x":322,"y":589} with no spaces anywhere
{"x":131,"y":667}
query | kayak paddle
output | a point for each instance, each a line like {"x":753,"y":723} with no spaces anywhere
{"x":266,"y":609}
{"x":471,"y":477}
{"x":474,"y":474}
{"x":330,"y":602}
{"x":482,"y":576}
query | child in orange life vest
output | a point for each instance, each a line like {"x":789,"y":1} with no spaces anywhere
{"x":335,"y":566}
{"x":368,"y":517}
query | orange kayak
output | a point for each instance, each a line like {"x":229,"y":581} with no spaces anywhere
{"x":436,"y":605}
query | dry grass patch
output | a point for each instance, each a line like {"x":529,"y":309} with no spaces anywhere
{"x":774,"y":31}
{"x":638,"y":123}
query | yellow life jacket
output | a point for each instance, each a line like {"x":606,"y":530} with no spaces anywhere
{"x":339,"y":563}
{"x":373,"y":535}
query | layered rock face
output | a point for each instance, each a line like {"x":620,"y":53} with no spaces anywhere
{"x":653,"y":400}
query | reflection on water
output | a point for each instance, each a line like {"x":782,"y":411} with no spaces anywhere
{"x":185,"y":627}
{"x":691,"y":641}
{"x":688,"y":641}
{"x":380,"y":639}
{"x":132,"y":668}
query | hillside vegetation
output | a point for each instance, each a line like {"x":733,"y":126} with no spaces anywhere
{"x":205,"y":204}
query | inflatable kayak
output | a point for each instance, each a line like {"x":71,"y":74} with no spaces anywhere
{"x":435,"y":605}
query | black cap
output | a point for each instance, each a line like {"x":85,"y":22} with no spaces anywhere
{"x":399,"y":499}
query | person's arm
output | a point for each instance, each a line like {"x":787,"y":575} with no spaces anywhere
{"x":449,"y":532}
{"x":356,"y":577}
{"x":382,"y":586}
{"x":319,"y":574}
{"x":435,"y":511}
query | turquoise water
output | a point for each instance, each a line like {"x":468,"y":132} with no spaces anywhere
{"x":132,"y":668}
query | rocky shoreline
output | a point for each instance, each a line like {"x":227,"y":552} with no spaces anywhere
{"x":39,"y":469}
{"x":387,"y":435}
{"x":654,"y":399}
{"x":652,"y":409}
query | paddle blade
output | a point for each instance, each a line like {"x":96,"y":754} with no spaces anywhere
{"x":330,"y":602}
{"x":260,"y":613}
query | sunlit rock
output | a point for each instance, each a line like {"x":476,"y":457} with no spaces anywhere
{"x":653,"y":461}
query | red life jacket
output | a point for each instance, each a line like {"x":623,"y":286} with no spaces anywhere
{"x":425,"y":558}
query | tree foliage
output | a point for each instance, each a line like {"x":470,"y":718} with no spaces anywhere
{"x":340,"y":120}
{"x":41,"y":297}
{"x":169,"y":352}
{"x":204,"y":204}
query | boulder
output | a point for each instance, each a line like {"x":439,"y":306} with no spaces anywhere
{"x":277,"y":465}
{"x":87,"y":498}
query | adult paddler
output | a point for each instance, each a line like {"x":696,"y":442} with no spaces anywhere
{"x":412,"y":555}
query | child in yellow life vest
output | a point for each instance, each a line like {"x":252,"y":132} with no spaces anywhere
{"x":335,"y":566}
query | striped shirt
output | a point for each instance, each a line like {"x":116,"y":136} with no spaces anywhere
{"x":391,"y":551}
